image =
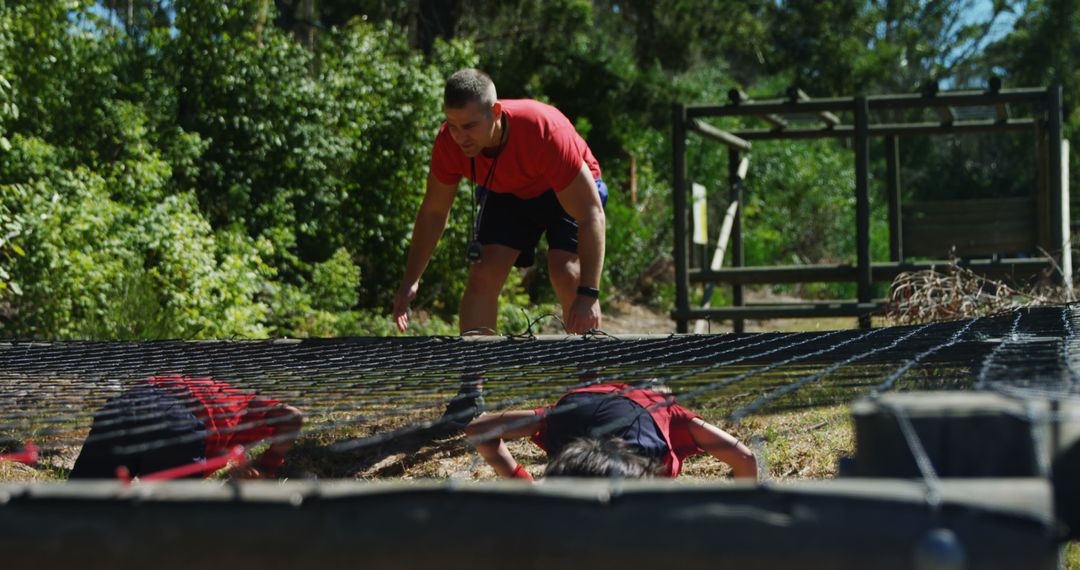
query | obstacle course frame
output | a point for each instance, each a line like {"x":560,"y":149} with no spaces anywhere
{"x":1053,"y":219}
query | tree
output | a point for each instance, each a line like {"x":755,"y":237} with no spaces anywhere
{"x":10,"y":223}
{"x":846,"y":46}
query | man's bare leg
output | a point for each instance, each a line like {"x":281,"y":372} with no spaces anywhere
{"x":565,"y":271}
{"x":479,"y":315}
{"x":479,"y":310}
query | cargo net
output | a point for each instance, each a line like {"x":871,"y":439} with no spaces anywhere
{"x":365,"y":400}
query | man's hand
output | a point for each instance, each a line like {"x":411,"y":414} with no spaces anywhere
{"x":406,"y":293}
{"x":584,"y":315}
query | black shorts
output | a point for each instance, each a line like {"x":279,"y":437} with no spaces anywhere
{"x":517,"y":223}
{"x":590,"y":415}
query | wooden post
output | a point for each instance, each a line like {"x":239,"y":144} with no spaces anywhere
{"x":682,"y":235}
{"x":1042,"y":196}
{"x":1058,"y":234}
{"x":735,"y":182}
{"x":892,"y":176}
{"x":862,"y":205}
{"x":1066,"y":222}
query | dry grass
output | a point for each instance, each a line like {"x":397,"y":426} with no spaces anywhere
{"x":794,"y":445}
{"x":956,"y":292}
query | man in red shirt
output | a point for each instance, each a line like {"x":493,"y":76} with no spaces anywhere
{"x":535,"y":176}
{"x":608,"y":430}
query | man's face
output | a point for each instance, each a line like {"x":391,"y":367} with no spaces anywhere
{"x":472,"y":127}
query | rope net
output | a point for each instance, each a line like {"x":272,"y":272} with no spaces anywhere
{"x":361,"y":392}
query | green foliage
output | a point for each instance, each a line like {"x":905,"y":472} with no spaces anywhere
{"x":196,"y":168}
{"x":10,"y":223}
{"x":388,"y":104}
{"x":334,"y":282}
{"x":273,"y":157}
{"x":847,"y":46}
{"x":100,"y":268}
{"x":799,"y":203}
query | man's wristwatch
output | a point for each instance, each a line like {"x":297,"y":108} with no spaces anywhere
{"x":588,"y":291}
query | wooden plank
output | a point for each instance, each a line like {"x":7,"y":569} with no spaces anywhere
{"x":887,"y":129}
{"x":718,"y":135}
{"x":863,"y":259}
{"x":1066,"y":220}
{"x":802,"y":310}
{"x":932,"y":245}
{"x":881,"y":272}
{"x":1001,"y":226}
{"x":892,"y":183}
{"x":994,"y":208}
{"x":796,"y":95}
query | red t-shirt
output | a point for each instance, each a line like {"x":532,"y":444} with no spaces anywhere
{"x":543,"y":151}
{"x":672,"y":419}
{"x":231,"y":417}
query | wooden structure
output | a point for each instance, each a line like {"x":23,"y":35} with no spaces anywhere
{"x":993,"y":524}
{"x":1003,"y":237}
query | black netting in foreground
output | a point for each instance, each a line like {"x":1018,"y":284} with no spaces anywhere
{"x":366,"y":391}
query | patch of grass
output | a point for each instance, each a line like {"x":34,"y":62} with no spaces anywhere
{"x":11,"y":472}
{"x":804,"y":444}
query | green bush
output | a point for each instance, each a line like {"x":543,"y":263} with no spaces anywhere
{"x":100,"y":268}
{"x":334,"y":282}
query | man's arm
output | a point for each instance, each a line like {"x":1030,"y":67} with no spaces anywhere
{"x":430,"y":223}
{"x":723,"y":446}
{"x":507,"y":425}
{"x":581,"y":200}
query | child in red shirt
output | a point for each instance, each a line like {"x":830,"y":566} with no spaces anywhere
{"x":171,"y":420}
{"x":609,"y":430}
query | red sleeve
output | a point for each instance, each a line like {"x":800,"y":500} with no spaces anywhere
{"x":446,"y":159}
{"x":562,"y":157}
{"x":682,"y":441}
{"x":541,"y":428}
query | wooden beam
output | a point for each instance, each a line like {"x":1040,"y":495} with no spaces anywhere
{"x":778,"y":106}
{"x":1059,"y":234}
{"x":880,"y":272}
{"x":956,"y":99}
{"x":796,"y":310}
{"x":718,"y":135}
{"x":1066,"y":222}
{"x":889,"y":129}
{"x":864,"y":281}
{"x":682,"y":236}
{"x":737,"y":97}
{"x":877,"y":103}
{"x":892,"y":184}
{"x":796,"y":95}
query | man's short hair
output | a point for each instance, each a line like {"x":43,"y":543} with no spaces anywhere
{"x":600,"y":458}
{"x":466,"y":86}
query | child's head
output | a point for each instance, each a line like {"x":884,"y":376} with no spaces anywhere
{"x":601,"y":458}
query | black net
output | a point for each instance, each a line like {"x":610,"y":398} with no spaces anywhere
{"x":361,"y":392}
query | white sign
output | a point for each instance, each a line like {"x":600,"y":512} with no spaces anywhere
{"x":701,"y":226}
